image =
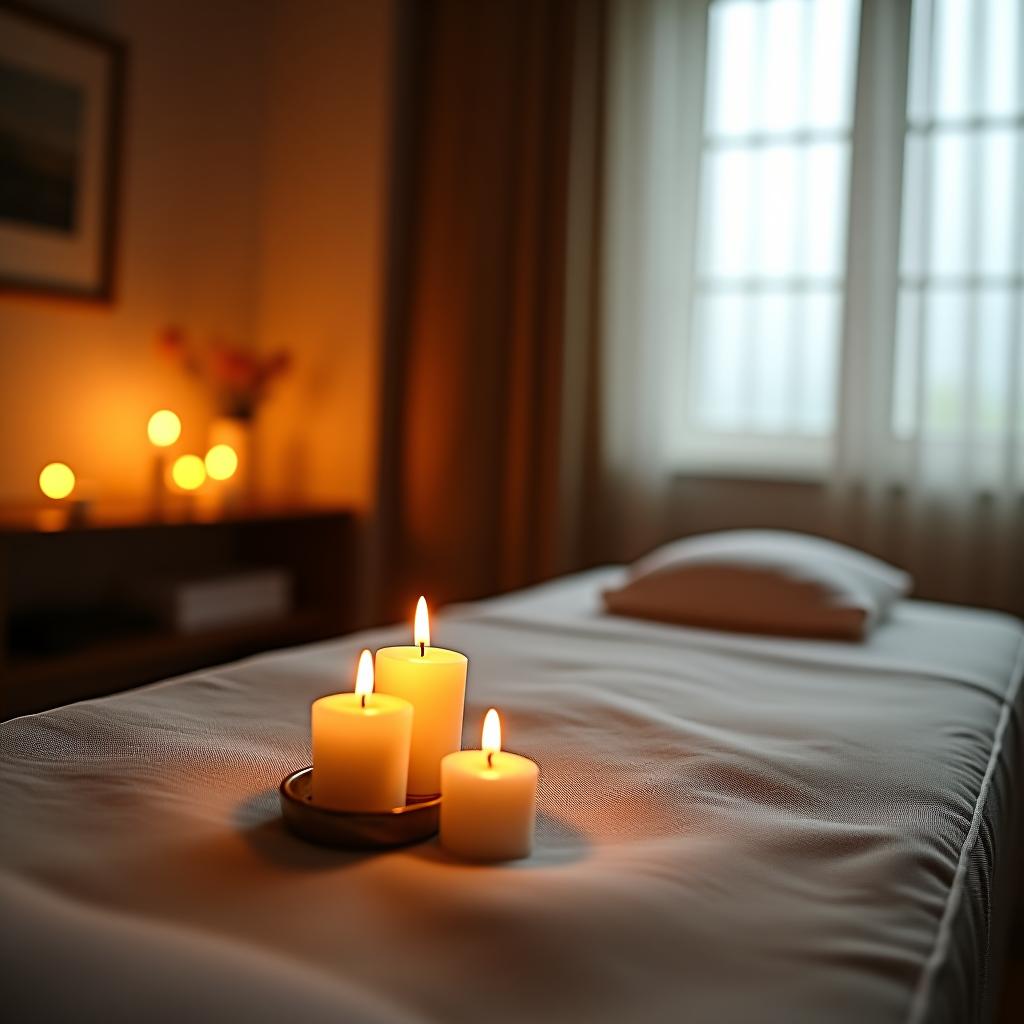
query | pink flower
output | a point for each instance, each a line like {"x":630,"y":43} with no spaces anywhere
{"x":237,"y":376}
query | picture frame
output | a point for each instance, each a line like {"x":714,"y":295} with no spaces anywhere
{"x":61,"y":97}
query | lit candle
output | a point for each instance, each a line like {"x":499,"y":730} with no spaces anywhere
{"x":361,"y":747}
{"x":433,"y":680}
{"x":488,"y":800}
{"x":163,"y":430}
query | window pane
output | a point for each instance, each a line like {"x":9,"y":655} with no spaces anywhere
{"x":833,"y":45}
{"x":729,"y":182}
{"x":945,"y":364}
{"x":967,"y":346}
{"x":948,"y":335}
{"x":773,"y":218}
{"x":778,"y":204}
{"x":971,"y":227}
{"x":999,"y":176}
{"x":773,"y":362}
{"x":723,"y":323}
{"x":768,"y":361}
{"x":961,"y":224}
{"x":976,"y":56}
{"x":825,"y":190}
{"x":784,"y":53}
{"x":776,"y":66}
{"x":732,"y":55}
{"x":949,"y":218}
{"x":991,"y":421}
{"x":954,"y":31}
{"x":1002,"y":55}
{"x":818,"y":364}
{"x":776,"y":211}
{"x":995,"y":320}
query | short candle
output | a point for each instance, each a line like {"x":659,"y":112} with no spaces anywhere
{"x":361,"y":747}
{"x":488,"y":800}
{"x":433,"y":680}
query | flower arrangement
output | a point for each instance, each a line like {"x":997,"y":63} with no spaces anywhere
{"x":238,"y":378}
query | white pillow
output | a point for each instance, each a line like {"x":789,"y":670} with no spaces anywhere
{"x":762,"y":581}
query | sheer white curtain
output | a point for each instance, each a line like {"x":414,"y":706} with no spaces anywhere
{"x":655,"y":62}
{"x":929,"y":451}
{"x":914,"y":439}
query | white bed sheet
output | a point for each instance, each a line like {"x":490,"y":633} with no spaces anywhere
{"x":731,"y":828}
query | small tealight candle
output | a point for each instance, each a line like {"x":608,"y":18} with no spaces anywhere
{"x":488,"y":800}
{"x":433,"y":680}
{"x":361,"y":747}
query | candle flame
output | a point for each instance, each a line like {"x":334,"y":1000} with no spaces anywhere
{"x":364,"y":674}
{"x":491,"y":741}
{"x":421,"y":630}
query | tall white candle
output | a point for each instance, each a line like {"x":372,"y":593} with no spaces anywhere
{"x":433,"y":680}
{"x":488,"y":800}
{"x":361,"y":747}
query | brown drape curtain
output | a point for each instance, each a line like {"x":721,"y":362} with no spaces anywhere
{"x":473,"y":487}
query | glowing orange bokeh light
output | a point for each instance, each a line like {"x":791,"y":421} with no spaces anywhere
{"x":56,"y":480}
{"x":221,"y":462}
{"x":188,"y":472}
{"x":164,"y":428}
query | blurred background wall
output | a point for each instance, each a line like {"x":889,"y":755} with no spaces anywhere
{"x":251,"y":208}
{"x":321,"y":258}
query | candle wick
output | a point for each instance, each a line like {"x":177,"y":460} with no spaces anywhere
{"x":363,"y":697}
{"x":423,"y":646}
{"x":490,"y":758}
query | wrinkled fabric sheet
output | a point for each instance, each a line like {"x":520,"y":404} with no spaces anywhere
{"x":731,"y":828}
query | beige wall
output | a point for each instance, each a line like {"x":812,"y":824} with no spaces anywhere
{"x":252,"y":208}
{"x":78,"y":381}
{"x":323,"y":224}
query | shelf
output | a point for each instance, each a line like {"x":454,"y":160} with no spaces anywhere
{"x":60,"y":519}
{"x":116,"y":558}
{"x":94,"y":671}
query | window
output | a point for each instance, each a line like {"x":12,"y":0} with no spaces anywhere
{"x":961,"y":236}
{"x":774,"y":213}
{"x":778,"y":118}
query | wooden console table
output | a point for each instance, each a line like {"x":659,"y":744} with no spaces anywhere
{"x":85,"y":573}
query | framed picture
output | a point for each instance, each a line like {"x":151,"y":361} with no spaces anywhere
{"x":60,"y":123}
